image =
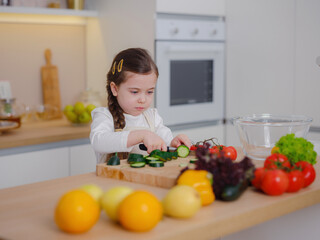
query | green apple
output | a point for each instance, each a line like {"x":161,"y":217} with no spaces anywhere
{"x":79,"y":108}
{"x":111,"y":199}
{"x":90,"y":107}
{"x":181,"y":201}
{"x":71,"y":116}
{"x":84,"y":117}
{"x":94,"y":190}
{"x":68,"y":108}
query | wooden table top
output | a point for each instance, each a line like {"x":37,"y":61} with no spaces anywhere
{"x":43,"y":132}
{"x":27,"y":211}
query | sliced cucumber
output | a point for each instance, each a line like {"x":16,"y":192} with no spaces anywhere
{"x":156,"y":164}
{"x":134,"y":157}
{"x":138,"y":164}
{"x":183,"y":164}
{"x":193,"y":160}
{"x":183,"y":151}
{"x":152,"y":158}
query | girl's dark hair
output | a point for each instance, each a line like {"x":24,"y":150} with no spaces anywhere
{"x":136,"y":60}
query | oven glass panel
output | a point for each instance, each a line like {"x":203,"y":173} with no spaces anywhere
{"x":191,"y":81}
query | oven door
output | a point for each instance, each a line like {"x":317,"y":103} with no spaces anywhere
{"x":190,"y":88}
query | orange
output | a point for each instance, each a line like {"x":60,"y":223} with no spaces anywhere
{"x":140,"y":211}
{"x":76,"y":212}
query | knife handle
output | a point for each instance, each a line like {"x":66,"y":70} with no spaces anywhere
{"x":144,"y":148}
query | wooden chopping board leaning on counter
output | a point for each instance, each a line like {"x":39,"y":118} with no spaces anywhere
{"x":50,"y":85}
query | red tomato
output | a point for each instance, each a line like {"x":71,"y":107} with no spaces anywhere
{"x":216,"y":149}
{"x":276,"y":160}
{"x":296,"y":181}
{"x":230,"y":152}
{"x":193,"y":148}
{"x":308,"y":172}
{"x":274,"y":182}
{"x":258,"y":175}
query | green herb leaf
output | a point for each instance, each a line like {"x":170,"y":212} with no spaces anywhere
{"x":296,"y":149}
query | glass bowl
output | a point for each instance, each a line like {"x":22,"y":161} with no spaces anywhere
{"x":258,"y":133}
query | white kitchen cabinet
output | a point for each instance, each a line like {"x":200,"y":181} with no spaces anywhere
{"x":82,"y":159}
{"x":260,"y":57}
{"x":272,"y":47}
{"x":24,"y":168}
{"x":40,"y":165}
{"x":307,"y":72}
{"x":199,"y":7}
{"x":287,"y":227}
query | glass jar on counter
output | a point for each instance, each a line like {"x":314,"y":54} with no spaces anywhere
{"x":11,"y":110}
{"x":91,"y":97}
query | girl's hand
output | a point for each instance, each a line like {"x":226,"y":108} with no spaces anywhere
{"x":181,"y":139}
{"x":152,"y":141}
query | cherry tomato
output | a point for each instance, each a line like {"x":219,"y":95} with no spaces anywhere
{"x":214,"y":150}
{"x":193,"y":148}
{"x":230,"y":152}
{"x":274,"y":182}
{"x":276,"y":160}
{"x":258,"y":175}
{"x":296,"y":181}
{"x":308,"y":172}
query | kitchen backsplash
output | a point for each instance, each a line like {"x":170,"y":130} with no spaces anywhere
{"x":22,"y":49}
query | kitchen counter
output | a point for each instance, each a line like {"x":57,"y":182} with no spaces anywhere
{"x":43,"y":132}
{"x":27,"y":212}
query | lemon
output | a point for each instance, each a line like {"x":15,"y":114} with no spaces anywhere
{"x":111,"y":199}
{"x":181,"y":201}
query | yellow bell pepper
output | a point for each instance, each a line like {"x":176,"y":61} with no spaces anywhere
{"x":201,"y":180}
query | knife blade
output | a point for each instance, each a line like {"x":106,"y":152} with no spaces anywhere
{"x":144,"y":148}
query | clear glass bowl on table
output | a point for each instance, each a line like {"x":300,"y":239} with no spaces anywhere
{"x":258,"y":133}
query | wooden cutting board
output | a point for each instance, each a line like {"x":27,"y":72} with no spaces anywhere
{"x":164,"y":177}
{"x":50,"y":85}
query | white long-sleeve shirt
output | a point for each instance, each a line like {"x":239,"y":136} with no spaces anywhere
{"x":105,"y":140}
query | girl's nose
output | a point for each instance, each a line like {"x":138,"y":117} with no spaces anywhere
{"x":142,"y":99}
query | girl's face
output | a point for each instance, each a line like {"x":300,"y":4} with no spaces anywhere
{"x":135,"y":95}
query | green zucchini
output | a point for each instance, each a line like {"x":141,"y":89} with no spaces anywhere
{"x":174,"y":155}
{"x":156,"y":164}
{"x":114,"y":160}
{"x":183,"y":151}
{"x":231,"y":193}
{"x":138,"y":164}
{"x":134,"y":157}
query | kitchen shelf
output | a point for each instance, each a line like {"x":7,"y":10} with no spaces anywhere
{"x":37,"y":15}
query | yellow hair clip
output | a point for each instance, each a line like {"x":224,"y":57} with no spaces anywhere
{"x":114,"y":68}
{"x":120,"y":65}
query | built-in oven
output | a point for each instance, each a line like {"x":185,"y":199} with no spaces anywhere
{"x":190,"y":56}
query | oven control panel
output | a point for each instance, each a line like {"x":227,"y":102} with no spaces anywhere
{"x":174,"y":28}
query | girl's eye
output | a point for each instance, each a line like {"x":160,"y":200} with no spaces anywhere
{"x":134,"y":92}
{"x":150,"y":92}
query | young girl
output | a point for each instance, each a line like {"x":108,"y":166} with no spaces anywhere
{"x":129,"y":121}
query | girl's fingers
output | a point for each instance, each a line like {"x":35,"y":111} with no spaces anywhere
{"x":164,"y":147}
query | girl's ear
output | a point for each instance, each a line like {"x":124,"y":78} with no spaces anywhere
{"x":114,"y":89}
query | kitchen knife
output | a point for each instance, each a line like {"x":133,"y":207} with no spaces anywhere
{"x":144,"y":148}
